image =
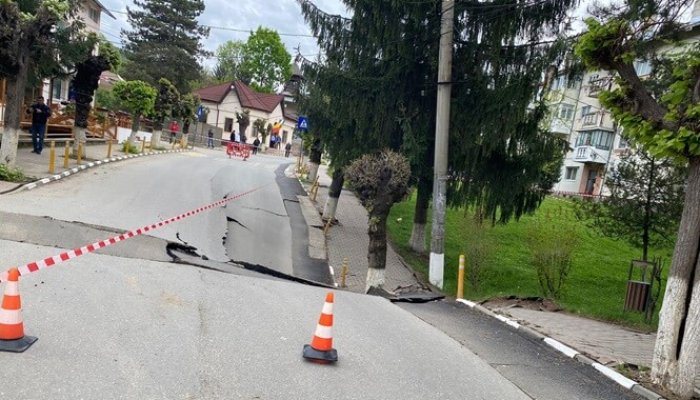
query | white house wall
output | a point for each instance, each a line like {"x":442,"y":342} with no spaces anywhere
{"x":228,"y":108}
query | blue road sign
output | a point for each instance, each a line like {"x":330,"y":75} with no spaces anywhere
{"x":302,"y":124}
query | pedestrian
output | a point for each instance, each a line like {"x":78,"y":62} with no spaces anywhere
{"x":256,"y":143}
{"x":174,"y":129}
{"x":40,"y":115}
{"x":210,"y":139}
{"x":287,"y":149}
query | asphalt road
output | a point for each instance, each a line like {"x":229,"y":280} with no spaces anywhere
{"x":128,"y":323}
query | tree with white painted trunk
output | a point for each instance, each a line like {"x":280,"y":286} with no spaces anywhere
{"x":139,"y":98}
{"x":334,"y":191}
{"x":27,"y":31}
{"x":379,"y":180}
{"x":662,"y":112}
{"x":86,"y":81}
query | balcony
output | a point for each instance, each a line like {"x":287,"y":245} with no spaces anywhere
{"x":560,"y":127}
{"x":597,"y":86}
{"x":591,"y":154}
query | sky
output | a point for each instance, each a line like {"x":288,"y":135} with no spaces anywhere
{"x":284,"y":16}
{"x":235,"y":16}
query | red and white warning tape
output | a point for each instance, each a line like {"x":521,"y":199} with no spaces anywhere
{"x":51,"y":261}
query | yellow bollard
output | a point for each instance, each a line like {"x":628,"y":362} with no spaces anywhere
{"x":314,"y":189}
{"x":143,"y":145}
{"x":80,"y":153}
{"x":327,"y":227}
{"x":344,"y":272}
{"x":52,"y":157}
{"x":109,"y":149}
{"x":66,"y":155}
{"x":460,"y":278}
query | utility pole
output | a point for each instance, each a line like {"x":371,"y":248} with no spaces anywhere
{"x":442,"y":129}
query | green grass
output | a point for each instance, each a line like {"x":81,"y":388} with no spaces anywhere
{"x":596,"y":284}
{"x":11,"y":174}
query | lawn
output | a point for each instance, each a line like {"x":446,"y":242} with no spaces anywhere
{"x":595,"y":286}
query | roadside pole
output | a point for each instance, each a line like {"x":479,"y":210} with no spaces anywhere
{"x":442,"y":128}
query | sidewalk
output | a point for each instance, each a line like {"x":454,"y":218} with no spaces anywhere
{"x":36,"y":166}
{"x":608,"y":344}
{"x":349,"y":239}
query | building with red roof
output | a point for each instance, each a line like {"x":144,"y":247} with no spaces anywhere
{"x":223,"y":101}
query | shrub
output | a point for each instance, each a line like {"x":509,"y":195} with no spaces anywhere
{"x":552,"y":246}
{"x":130,"y":148}
{"x":11,"y":174}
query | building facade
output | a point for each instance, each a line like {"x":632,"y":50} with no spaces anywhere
{"x":224,"y":101}
{"x":595,"y":141}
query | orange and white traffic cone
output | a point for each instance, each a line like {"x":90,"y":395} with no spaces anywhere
{"x":321,"y":347}
{"x":11,"y":326}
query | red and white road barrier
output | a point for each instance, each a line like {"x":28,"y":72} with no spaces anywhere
{"x":51,"y":261}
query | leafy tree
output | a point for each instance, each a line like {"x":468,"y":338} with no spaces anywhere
{"x":265,"y":60}
{"x":165,"y":41}
{"x":229,"y":66}
{"x":105,"y":98}
{"x":186,"y":109}
{"x":243,"y":119}
{"x":29,"y":32}
{"x":380,"y":180}
{"x":665,"y":119}
{"x":378,"y":83}
{"x":86,"y":81}
{"x":138,"y":98}
{"x":167,"y":100}
{"x":645,"y":202}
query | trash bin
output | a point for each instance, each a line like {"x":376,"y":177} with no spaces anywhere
{"x":637,"y":296}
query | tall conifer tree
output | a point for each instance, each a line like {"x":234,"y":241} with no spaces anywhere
{"x":378,"y":81}
{"x":165,"y":42}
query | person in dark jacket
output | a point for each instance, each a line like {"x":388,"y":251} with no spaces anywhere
{"x":287,"y":149}
{"x":256,"y":144}
{"x":40,"y":115}
{"x":210,"y":139}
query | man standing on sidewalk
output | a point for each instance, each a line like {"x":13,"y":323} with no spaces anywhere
{"x":40,"y":114}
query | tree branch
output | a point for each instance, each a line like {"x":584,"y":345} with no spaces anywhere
{"x":646,"y":105}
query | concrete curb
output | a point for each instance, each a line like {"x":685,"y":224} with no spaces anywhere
{"x":92,"y":164}
{"x":569,"y":352}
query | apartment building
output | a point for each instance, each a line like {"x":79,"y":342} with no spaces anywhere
{"x":595,"y":140}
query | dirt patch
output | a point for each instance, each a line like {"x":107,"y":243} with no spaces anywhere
{"x":530,"y":303}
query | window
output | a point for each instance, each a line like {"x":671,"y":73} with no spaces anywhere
{"x":585,"y":110}
{"x":571,"y":173}
{"x":566,"y":112}
{"x":642,"y":67}
{"x":228,"y":124}
{"x":285,"y":136}
{"x":559,"y":83}
{"x":57,"y":92}
{"x":623,"y":144}
{"x":600,"y":139}
{"x":95,"y":14}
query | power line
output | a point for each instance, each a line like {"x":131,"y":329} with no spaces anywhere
{"x":223,"y":28}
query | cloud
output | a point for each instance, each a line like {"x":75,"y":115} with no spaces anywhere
{"x":284,"y":16}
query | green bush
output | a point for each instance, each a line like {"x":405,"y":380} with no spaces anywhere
{"x":552,"y":245}
{"x":130,"y":148}
{"x":11,"y":174}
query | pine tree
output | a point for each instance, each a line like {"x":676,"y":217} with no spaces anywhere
{"x":378,"y":80}
{"x":645,"y":202}
{"x":165,"y":42}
